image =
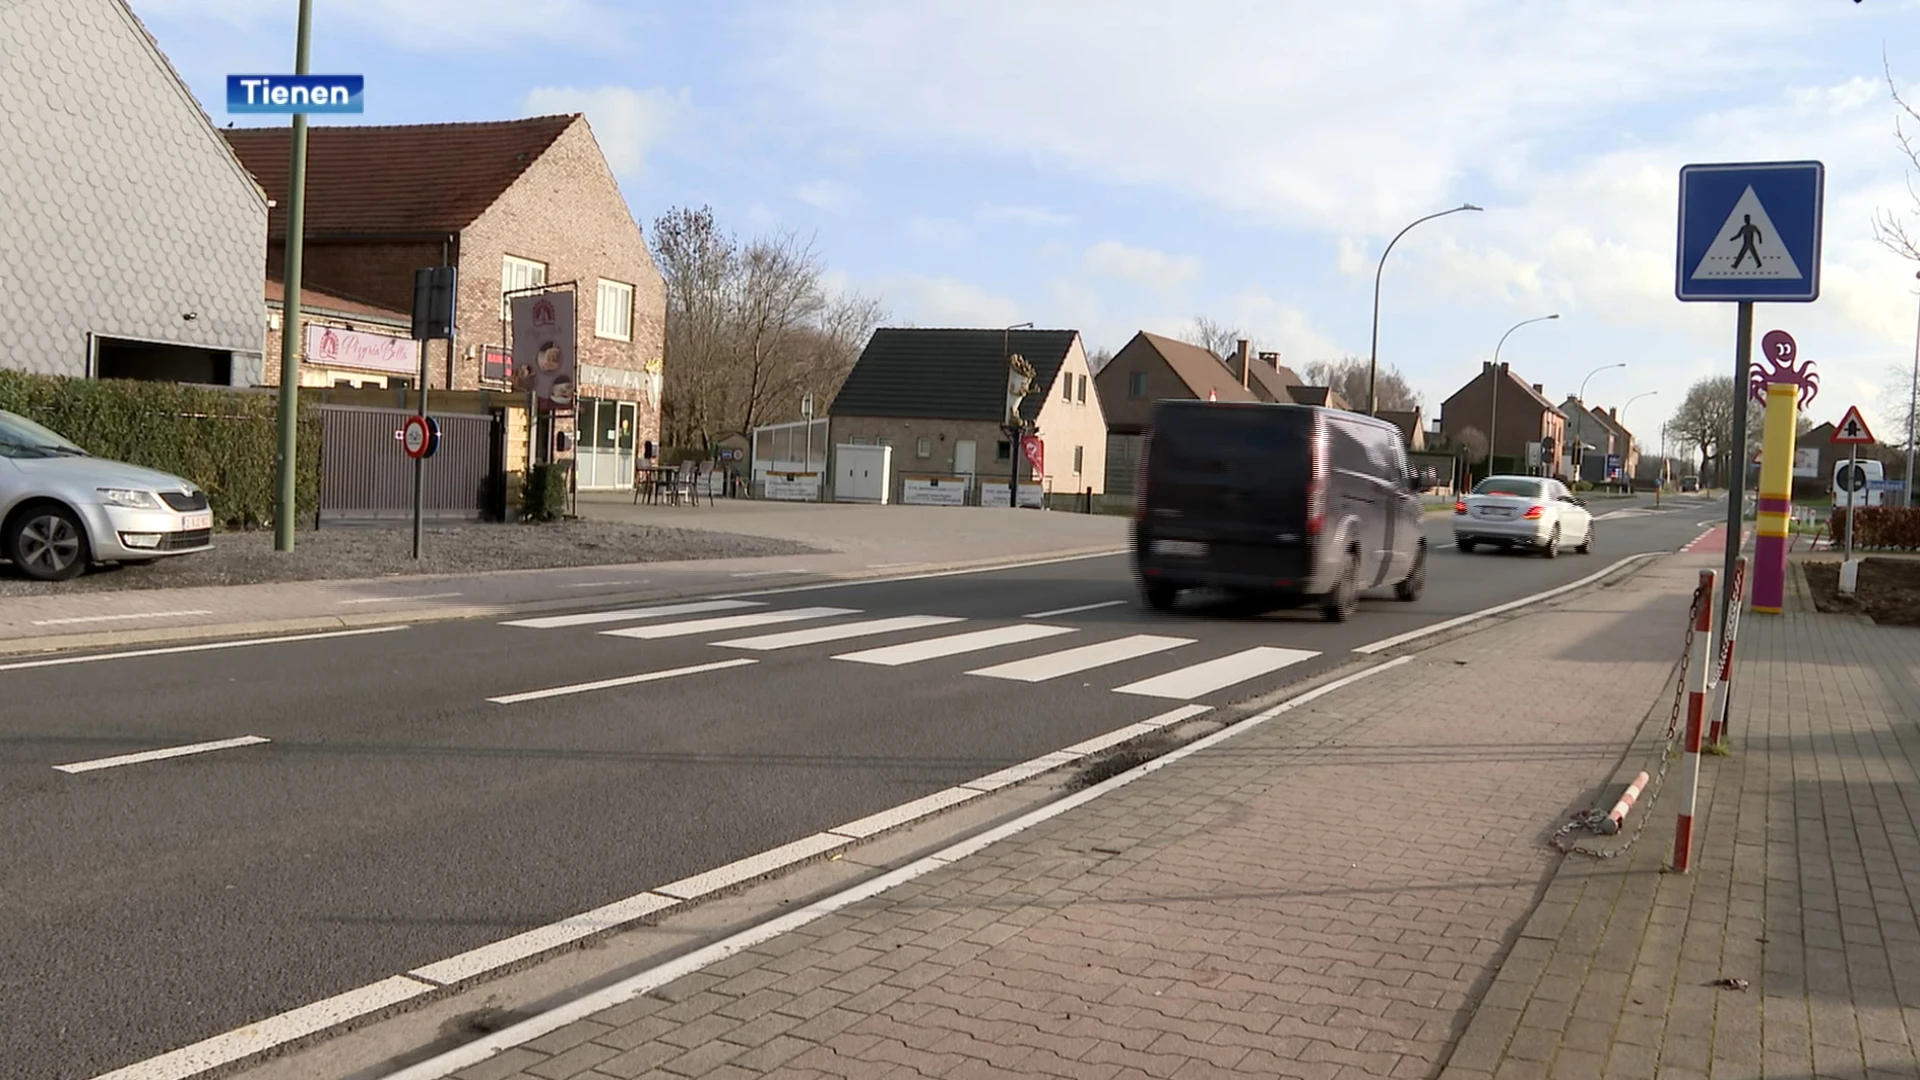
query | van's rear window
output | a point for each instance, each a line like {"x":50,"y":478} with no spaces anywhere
{"x":1202,"y":439}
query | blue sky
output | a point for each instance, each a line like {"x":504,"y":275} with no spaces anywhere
{"x":1116,"y":165}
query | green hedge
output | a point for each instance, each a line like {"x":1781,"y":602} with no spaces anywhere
{"x":543,"y":494}
{"x":224,"y":440}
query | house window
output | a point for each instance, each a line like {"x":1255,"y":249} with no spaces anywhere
{"x":518,"y":273}
{"x":924,"y":448}
{"x":857,"y":440}
{"x":1136,"y":384}
{"x":613,"y":311}
{"x":1083,"y":389}
{"x":1066,"y":388}
{"x":1003,"y":451}
{"x":1079,"y":458}
{"x":883,"y":440}
{"x":495,"y":364}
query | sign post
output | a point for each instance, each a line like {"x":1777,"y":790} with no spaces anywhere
{"x":433,"y":303}
{"x":1851,"y":432}
{"x":1748,"y":233}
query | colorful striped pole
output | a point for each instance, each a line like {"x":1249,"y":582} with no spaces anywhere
{"x":1729,"y":634}
{"x":1701,"y":662}
{"x":1776,"y":498}
{"x":1627,"y":798}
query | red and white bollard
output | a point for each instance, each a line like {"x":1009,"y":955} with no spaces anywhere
{"x":1618,"y":815}
{"x":1701,"y":662}
{"x":1717,"y":729}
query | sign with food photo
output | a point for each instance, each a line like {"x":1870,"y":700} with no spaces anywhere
{"x":544,"y":364}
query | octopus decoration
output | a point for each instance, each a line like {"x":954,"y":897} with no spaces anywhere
{"x":1777,"y":352}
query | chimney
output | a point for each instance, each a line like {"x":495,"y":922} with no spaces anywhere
{"x":1271,"y":359}
{"x":1613,"y":415}
{"x":1240,"y":353}
{"x":1540,"y":388}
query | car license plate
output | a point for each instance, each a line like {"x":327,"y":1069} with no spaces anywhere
{"x":196,"y":522}
{"x":1496,"y":512}
{"x":1180,"y":549}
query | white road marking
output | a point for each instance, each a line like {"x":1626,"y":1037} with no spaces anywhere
{"x":603,"y":584}
{"x":402,"y":599}
{"x":1092,"y":746}
{"x":1174,"y":716}
{"x":624,"y":680}
{"x":244,"y":1042}
{"x":645,"y":982}
{"x":1074,"y":610}
{"x":160,"y":755}
{"x":117,"y":618}
{"x":760,"y":573}
{"x":595,"y":618}
{"x":477,"y":962}
{"x":1204,"y":678}
{"x":728,"y":622}
{"x":172,"y":650}
{"x":894,"y":817}
{"x":1474,"y":616}
{"x":1025,"y":770}
{"x":753,"y":866}
{"x":1086,"y":657}
{"x":840,"y":632}
{"x":954,"y":644}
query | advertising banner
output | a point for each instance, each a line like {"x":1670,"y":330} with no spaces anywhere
{"x":934,"y":490}
{"x":544,"y":364}
{"x":995,"y":494}
{"x":791,"y":487}
{"x":330,"y":346}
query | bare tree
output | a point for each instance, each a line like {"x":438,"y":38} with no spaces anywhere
{"x":1473,"y":446}
{"x":1349,"y":376}
{"x":1704,"y":420}
{"x":1214,"y":337}
{"x":696,"y":259}
{"x":778,"y":297}
{"x":1888,"y":226}
{"x":1099,"y":359}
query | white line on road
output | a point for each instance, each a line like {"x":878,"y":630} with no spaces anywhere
{"x":207,"y":647}
{"x":652,"y":979}
{"x":160,"y":755}
{"x":595,"y":618}
{"x":1074,"y":610}
{"x":1474,"y":616}
{"x":624,"y":680}
{"x":1085,"y":658}
{"x":761,"y":573}
{"x":818,"y":634}
{"x":117,"y":618}
{"x":476,"y":962}
{"x":728,"y":622}
{"x":1201,"y":679}
{"x":402,"y":599}
{"x":603,"y":584}
{"x":753,"y":866}
{"x":953,"y":644}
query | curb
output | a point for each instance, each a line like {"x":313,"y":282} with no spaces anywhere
{"x":252,"y":628}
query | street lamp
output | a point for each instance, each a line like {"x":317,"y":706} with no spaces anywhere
{"x":1493,"y":414}
{"x":1623,"y":424}
{"x":1373,"y":355}
{"x":1580,"y":442}
{"x":1013,"y":416}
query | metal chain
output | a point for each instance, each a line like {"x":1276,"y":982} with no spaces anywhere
{"x":1599,"y":822}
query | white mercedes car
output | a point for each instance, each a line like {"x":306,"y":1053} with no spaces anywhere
{"x":1533,"y":513}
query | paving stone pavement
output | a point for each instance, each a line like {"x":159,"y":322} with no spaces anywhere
{"x":1805,"y":877}
{"x":1323,"y":897}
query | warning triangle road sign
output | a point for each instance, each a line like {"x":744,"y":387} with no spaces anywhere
{"x":1852,"y":429}
{"x":1747,"y":247}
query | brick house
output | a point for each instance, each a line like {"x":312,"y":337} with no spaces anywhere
{"x":511,"y":204}
{"x":1151,"y":368}
{"x":937,"y":396}
{"x":130,"y":235}
{"x":348,"y":342}
{"x":1525,"y":416}
{"x":1619,"y":440}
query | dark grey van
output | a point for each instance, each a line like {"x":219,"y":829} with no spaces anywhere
{"x":1292,"y":503}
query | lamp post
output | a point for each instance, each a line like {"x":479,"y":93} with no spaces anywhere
{"x":1373,"y":354}
{"x":287,"y":469}
{"x":1913,"y":404}
{"x":1580,"y":441}
{"x":1629,"y":450}
{"x":1493,"y":414}
{"x":1013,"y":415}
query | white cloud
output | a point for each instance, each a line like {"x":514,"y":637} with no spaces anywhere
{"x":628,"y":123}
{"x":938,"y":232}
{"x":828,"y":195}
{"x":945,"y":301}
{"x":1021,"y":215}
{"x":427,"y":25}
{"x":1143,"y":266}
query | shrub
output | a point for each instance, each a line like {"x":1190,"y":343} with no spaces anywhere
{"x":543,"y":494}
{"x":1883,"y":527}
{"x":226,"y":441}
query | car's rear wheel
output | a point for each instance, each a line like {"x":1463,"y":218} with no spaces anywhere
{"x":1465,"y":545}
{"x":1586,"y":545}
{"x":46,"y":542}
{"x":1159,"y":597}
{"x":1415,"y":583}
{"x":1346,"y":593}
{"x":1552,"y":548}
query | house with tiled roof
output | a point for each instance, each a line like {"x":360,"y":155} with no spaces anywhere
{"x":1152,"y":367}
{"x":1601,"y":436}
{"x":939,"y":398}
{"x":1524,"y":416}
{"x":132,"y":237}
{"x":512,"y":205}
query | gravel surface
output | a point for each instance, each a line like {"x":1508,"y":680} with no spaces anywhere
{"x":365,"y":551}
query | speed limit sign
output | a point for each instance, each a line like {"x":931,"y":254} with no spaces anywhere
{"x":420,"y":436}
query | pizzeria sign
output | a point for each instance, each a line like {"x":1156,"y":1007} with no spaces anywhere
{"x":331,"y":346}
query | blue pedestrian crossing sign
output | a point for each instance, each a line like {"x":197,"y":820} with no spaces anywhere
{"x":1750,"y":232}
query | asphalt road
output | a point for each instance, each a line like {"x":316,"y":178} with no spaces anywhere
{"x":398,"y":816}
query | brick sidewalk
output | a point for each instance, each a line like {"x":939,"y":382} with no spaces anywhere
{"x":1323,"y":897}
{"x":1805,"y":881}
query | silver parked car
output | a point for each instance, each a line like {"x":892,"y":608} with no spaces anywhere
{"x":1532,"y":512}
{"x":62,"y":509}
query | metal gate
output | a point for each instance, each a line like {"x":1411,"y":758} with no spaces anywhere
{"x":366,"y":473}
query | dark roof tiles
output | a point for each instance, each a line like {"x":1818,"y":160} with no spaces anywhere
{"x":949,"y":374}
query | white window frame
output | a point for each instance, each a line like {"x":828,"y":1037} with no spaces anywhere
{"x":518,"y":273}
{"x":622,"y":327}
{"x":1079,"y":459}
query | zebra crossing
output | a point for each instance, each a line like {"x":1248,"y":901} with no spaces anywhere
{"x":1151,"y":665}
